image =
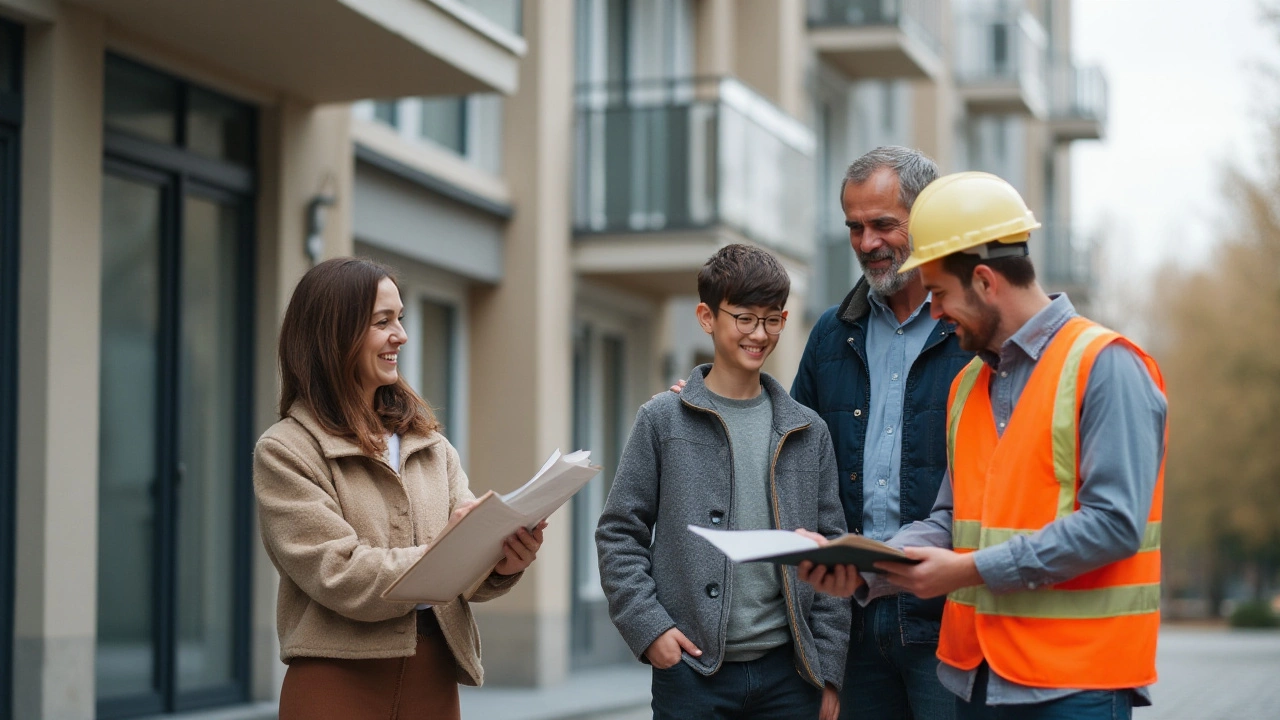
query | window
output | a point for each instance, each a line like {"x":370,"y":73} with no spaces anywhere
{"x":436,"y":347}
{"x":175,"y":433}
{"x":601,"y":423}
{"x":10,"y":118}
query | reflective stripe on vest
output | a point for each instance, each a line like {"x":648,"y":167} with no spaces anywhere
{"x":969,"y":535}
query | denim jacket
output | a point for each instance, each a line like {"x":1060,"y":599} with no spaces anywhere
{"x":834,"y":380}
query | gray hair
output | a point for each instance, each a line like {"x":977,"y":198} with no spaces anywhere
{"x":913,"y":168}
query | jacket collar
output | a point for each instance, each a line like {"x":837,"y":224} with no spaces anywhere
{"x":334,"y":446}
{"x":857,"y":306}
{"x":787,"y":415}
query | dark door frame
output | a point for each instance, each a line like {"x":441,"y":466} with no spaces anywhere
{"x":10,"y":181}
{"x":182,"y":174}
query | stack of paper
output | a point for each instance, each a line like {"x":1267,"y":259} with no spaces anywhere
{"x":466,"y":552}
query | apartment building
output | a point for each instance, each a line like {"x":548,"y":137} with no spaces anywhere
{"x":167,"y":173}
{"x":546,"y":176}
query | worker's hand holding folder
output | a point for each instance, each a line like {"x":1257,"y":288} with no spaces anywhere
{"x":466,"y":552}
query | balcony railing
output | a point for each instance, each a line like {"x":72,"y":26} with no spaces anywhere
{"x":1078,"y":101}
{"x":921,"y":20}
{"x":1068,"y":259}
{"x":689,"y":154}
{"x":1001,"y":62}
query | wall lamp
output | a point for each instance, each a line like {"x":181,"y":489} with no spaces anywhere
{"x":316,"y":211}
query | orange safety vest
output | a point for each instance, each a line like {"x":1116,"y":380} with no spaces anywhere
{"x":1096,"y":631}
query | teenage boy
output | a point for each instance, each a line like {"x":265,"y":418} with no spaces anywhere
{"x":732,"y":451}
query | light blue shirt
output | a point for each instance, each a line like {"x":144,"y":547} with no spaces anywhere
{"x":892,"y":348}
{"x":1122,"y":424}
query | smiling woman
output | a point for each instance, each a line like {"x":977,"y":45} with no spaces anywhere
{"x":351,"y":427}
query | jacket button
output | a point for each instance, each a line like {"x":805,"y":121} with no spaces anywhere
{"x":713,"y":590}
{"x":717,"y":517}
{"x":857,"y":412}
{"x":853,"y":477}
{"x":857,"y":531}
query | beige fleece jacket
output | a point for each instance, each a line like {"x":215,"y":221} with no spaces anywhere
{"x":341,"y":526}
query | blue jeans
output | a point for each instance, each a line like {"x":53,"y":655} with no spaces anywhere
{"x":887,"y":679}
{"x":1088,"y":705}
{"x":768,"y":688}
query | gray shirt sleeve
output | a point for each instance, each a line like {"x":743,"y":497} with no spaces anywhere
{"x":933,"y":531}
{"x":1121,"y":444}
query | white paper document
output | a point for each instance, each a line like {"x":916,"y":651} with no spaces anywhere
{"x":466,"y":552}
{"x":748,"y":545}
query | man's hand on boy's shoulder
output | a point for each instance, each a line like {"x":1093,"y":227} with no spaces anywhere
{"x":840,"y":580}
{"x":675,"y":388}
{"x":666,"y":651}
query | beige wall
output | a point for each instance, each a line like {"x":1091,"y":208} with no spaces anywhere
{"x":521,"y":361}
{"x":58,"y":396}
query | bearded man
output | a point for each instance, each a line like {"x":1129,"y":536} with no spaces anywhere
{"x":878,"y":369}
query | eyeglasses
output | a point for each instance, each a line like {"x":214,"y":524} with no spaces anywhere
{"x":748,"y":322}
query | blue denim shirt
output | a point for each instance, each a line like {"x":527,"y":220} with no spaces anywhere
{"x":892,"y":348}
{"x":1121,"y":443}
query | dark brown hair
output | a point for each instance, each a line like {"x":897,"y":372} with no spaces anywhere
{"x":743,"y":275}
{"x":1017,"y":270}
{"x":327,"y":318}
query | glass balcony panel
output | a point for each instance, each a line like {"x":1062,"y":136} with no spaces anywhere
{"x":506,"y":13}
{"x":921,"y":18}
{"x":1068,"y":259}
{"x":1077,"y":101}
{"x":689,"y":154}
{"x":1002,"y":52}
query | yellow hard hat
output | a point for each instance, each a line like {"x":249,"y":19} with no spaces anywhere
{"x":963,"y":211}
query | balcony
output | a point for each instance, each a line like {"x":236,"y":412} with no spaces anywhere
{"x":668,"y":171}
{"x":336,"y":50}
{"x":1068,"y":264}
{"x":892,"y":39}
{"x":1077,"y":103}
{"x":1000,"y":64}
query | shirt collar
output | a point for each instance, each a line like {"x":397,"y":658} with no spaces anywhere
{"x":1035,"y":334}
{"x":880,"y":308}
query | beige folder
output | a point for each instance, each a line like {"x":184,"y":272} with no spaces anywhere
{"x":466,"y":552}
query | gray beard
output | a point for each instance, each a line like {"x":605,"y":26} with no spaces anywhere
{"x":886,"y":283}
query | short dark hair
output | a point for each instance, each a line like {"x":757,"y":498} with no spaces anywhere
{"x":743,"y":275}
{"x":1017,"y":270}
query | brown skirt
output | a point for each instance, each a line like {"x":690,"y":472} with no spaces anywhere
{"x":421,"y":687}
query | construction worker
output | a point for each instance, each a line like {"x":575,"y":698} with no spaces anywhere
{"x":1045,"y":536}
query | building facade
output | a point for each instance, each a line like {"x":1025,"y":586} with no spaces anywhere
{"x":546,"y":177}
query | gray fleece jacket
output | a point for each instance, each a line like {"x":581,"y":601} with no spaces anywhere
{"x":676,"y":471}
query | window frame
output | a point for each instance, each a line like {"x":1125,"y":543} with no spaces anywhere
{"x":10,"y":172}
{"x":181,"y":174}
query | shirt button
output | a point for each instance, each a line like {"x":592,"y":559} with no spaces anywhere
{"x":1004,"y":373}
{"x":883,"y":482}
{"x":1001,"y":424}
{"x":899,"y":331}
{"x":857,"y":412}
{"x":889,"y":430}
{"x":895,"y":376}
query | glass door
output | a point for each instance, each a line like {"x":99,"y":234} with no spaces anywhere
{"x":173,"y":522}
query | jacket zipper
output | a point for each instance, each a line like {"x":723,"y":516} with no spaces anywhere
{"x":786,"y":584}
{"x":728,"y":579}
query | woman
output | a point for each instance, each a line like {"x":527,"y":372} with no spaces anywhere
{"x":353,"y":484}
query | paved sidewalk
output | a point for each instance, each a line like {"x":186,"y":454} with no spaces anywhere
{"x":613,"y":693}
{"x":1208,"y":674}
